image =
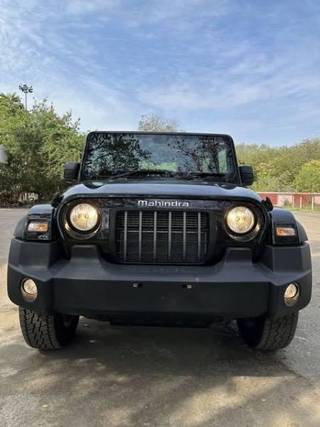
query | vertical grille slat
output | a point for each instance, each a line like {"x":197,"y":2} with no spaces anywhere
{"x":155,"y":219}
{"x":125,"y":239}
{"x":140,"y":235}
{"x":199,"y":235}
{"x":169,"y":235}
{"x":184,"y":235}
{"x":161,"y":237}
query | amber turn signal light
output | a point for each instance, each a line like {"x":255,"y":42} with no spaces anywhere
{"x":285,"y":231}
{"x":38,"y":227}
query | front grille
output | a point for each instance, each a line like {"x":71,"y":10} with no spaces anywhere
{"x":161,"y":237}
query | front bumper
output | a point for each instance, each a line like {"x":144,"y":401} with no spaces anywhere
{"x":87,"y":285}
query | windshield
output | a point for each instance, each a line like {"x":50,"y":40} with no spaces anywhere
{"x":181,"y":155}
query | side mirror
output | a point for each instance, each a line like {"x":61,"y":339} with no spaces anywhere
{"x":247,"y":175}
{"x":3,"y":155}
{"x":71,"y":171}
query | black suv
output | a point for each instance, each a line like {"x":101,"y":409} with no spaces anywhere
{"x":159,"y":228}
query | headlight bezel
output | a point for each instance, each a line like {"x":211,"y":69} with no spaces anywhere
{"x":73,"y":231}
{"x":252,"y":232}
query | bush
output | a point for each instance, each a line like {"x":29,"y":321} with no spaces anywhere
{"x":38,"y":142}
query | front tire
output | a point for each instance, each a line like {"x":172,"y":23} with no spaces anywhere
{"x":47,"y":332}
{"x":267,"y":334}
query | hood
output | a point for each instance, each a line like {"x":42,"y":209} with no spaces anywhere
{"x":160,"y":189}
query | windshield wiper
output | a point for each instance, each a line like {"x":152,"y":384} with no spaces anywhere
{"x":163,"y":172}
{"x":191,"y":175}
{"x":142,"y":172}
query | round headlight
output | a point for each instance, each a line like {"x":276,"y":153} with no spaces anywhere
{"x":84,"y":217}
{"x":240,"y":220}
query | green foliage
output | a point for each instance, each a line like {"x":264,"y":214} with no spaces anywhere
{"x":283,"y":168}
{"x":308,"y":178}
{"x":38,"y":142}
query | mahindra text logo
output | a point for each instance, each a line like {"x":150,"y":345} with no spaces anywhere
{"x":162,"y":204}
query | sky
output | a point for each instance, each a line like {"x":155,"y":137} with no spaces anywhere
{"x":247,"y":68}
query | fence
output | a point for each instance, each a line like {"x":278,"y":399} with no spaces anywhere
{"x":294,"y":200}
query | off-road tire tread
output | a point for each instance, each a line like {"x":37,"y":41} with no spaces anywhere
{"x":278,"y":333}
{"x":39,"y":331}
{"x":275,"y":333}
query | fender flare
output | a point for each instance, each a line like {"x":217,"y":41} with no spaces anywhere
{"x":36,"y":211}
{"x":284,"y":217}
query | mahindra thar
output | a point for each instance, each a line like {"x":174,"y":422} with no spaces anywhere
{"x":159,"y":228}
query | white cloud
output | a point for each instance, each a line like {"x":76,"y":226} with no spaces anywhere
{"x":176,"y":57}
{"x":33,"y":51}
{"x":82,"y":7}
{"x":189,"y":98}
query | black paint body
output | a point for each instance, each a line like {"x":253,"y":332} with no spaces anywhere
{"x":237,"y":278}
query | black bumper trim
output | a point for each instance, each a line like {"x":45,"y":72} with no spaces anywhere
{"x":88,"y":285}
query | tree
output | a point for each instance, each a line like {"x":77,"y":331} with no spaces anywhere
{"x":308,"y":178}
{"x":154,"y":123}
{"x":38,"y":142}
{"x":277,"y":167}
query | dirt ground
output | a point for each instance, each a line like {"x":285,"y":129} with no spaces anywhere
{"x":144,"y":376}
